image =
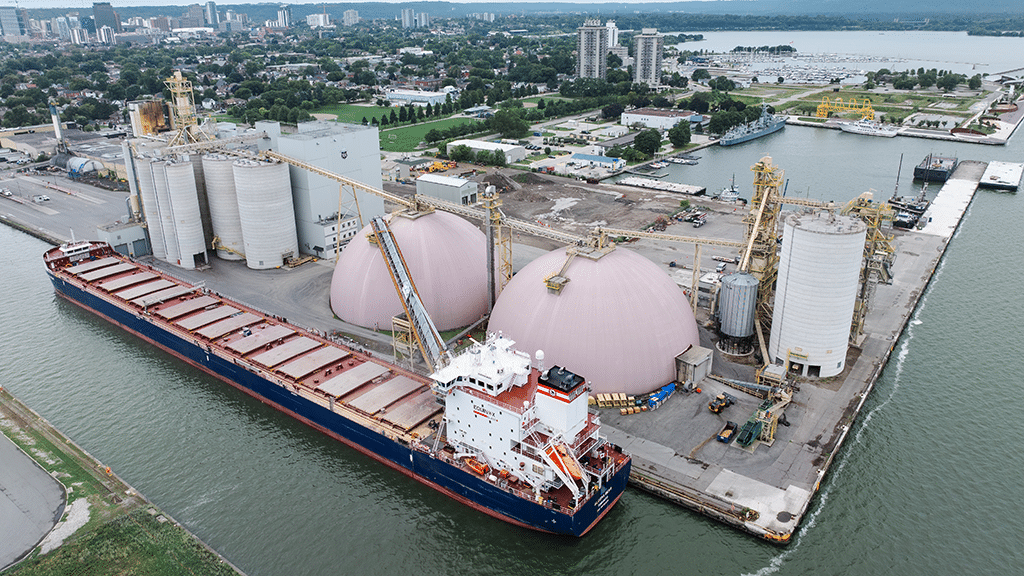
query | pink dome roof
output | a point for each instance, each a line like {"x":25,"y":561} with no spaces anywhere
{"x":619,"y":322}
{"x":446,"y":256}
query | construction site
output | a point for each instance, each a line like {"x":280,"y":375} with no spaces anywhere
{"x":732,"y":390}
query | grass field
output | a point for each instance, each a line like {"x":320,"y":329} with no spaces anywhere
{"x":406,"y":138}
{"x":354,"y":114}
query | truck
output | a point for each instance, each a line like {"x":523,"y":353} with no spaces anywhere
{"x":721,"y":402}
{"x":728,"y":432}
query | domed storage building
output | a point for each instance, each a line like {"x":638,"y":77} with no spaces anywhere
{"x":620,"y":320}
{"x":819,"y":275}
{"x":446,"y":257}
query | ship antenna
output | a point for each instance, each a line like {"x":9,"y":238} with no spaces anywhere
{"x":72,"y":235}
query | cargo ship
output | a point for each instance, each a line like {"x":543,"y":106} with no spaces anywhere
{"x":869,"y":128}
{"x":491,"y":429}
{"x":935,"y":168}
{"x":766,"y":124}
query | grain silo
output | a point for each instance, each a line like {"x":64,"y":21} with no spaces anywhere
{"x":619,"y":321}
{"x":204,"y":205}
{"x":188,"y":223}
{"x":737,"y":312}
{"x":266,"y":214}
{"x":220,"y":193}
{"x":819,"y":275}
{"x":446,"y":257}
{"x":150,"y":209}
{"x":163,"y":202}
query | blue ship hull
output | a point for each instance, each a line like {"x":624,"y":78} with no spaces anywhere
{"x":421,"y":466}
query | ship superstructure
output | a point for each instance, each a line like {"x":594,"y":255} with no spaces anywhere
{"x":551,"y":473}
{"x":492,"y":391}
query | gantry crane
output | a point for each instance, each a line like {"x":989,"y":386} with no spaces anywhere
{"x":829,"y":107}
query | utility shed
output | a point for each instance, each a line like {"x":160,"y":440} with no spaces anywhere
{"x":450,"y":188}
{"x":693,"y":365}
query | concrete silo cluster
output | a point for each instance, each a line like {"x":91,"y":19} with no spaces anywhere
{"x":243,"y":207}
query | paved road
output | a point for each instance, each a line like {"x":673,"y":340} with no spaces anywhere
{"x":31,"y":503}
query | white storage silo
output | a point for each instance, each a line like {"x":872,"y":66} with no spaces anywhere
{"x":737,"y":304}
{"x":819,"y":275}
{"x":266,"y":213}
{"x":204,"y":206}
{"x":220,"y":193}
{"x":144,"y":172}
{"x":188,"y":223}
{"x":163,"y":202}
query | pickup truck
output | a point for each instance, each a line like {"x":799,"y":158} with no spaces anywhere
{"x":728,"y":432}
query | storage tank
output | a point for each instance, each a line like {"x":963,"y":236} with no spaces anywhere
{"x":446,"y":257}
{"x":144,"y":172}
{"x":819,"y":275}
{"x":163,"y":202}
{"x":188,"y":223}
{"x":266,"y":214}
{"x":220,"y":194}
{"x":204,"y":206}
{"x":737,"y":305}
{"x":620,"y":321}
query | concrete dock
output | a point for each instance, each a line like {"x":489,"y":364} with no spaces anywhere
{"x":767,"y":491}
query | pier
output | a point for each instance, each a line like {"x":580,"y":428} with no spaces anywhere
{"x":767,"y":490}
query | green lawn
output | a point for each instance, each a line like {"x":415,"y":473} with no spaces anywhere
{"x":406,"y":138}
{"x":354,"y":114}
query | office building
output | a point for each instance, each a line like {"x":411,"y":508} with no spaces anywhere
{"x":104,"y":15}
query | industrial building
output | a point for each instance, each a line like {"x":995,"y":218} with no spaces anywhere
{"x":450,"y":188}
{"x":512,"y":152}
{"x":419,"y":97}
{"x":659,"y":118}
{"x":349,"y":150}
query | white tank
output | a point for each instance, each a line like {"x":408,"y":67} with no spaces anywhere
{"x":188,"y":222}
{"x":144,"y":172}
{"x":204,"y":206}
{"x":163,"y":203}
{"x":220,"y":193}
{"x":819,"y":274}
{"x":737,"y":304}
{"x":265,"y":210}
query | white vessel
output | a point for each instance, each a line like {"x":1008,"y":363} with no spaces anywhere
{"x":869,"y":128}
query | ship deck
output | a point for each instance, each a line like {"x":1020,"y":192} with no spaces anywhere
{"x":379,"y":395}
